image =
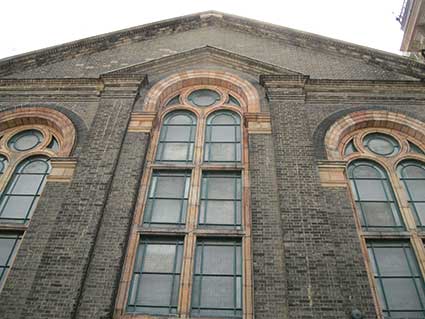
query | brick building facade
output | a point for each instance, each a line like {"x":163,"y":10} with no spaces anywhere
{"x":211,"y":166}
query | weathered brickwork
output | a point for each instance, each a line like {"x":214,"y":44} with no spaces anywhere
{"x":307,"y":254}
{"x":270,"y":285}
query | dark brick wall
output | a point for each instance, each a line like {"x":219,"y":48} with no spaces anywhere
{"x":22,"y":279}
{"x":65,"y":257}
{"x":270,"y":281}
{"x":102,"y":279}
{"x":315,"y":251}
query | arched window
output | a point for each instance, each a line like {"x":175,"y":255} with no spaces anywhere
{"x":20,"y":197}
{"x":187,"y":252}
{"x":389,"y":200}
{"x":412,"y":175}
{"x":177,"y":137}
{"x":223,"y":137}
{"x":23,"y":174}
{"x":374,"y":197}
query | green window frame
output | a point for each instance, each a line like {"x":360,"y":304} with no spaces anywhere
{"x":167,"y":201}
{"x":398,"y":279}
{"x":22,"y":192}
{"x":412,"y":175}
{"x":177,"y":138}
{"x":217,"y":278}
{"x":374,"y":197}
{"x":223,"y":137}
{"x":155,"y":282}
{"x":9,"y":243}
{"x":221,"y":200}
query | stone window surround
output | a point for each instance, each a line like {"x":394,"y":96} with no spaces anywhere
{"x":150,"y":121}
{"x":354,"y":127}
{"x":50,"y":123}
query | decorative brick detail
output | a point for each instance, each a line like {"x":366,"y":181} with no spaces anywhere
{"x":62,"y":169}
{"x":332,"y":173}
{"x":44,"y":116}
{"x":375,"y":119}
{"x":258,"y":123}
{"x":141,"y":122}
{"x":164,"y":89}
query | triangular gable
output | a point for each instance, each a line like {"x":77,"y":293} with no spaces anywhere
{"x":206,"y":54}
{"x":85,"y":47}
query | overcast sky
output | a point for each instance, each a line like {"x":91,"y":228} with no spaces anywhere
{"x":27,"y":25}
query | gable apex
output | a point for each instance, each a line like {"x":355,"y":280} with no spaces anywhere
{"x":84,"y":47}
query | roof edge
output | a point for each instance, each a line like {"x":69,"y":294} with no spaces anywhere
{"x":386,"y":60}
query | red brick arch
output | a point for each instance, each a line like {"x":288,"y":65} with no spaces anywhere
{"x":59,"y":122}
{"x":374,"y":119}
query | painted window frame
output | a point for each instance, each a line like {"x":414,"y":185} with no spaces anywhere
{"x":191,"y":232}
{"x":412,"y":234}
{"x":15,"y":159}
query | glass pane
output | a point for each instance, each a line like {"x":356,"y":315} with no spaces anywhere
{"x":224,"y":134}
{"x":27,"y":184}
{"x":54,"y":145}
{"x":15,"y":207}
{"x":416,"y":189}
{"x":154,"y":290}
{"x":233,"y":101}
{"x":159,"y":258}
{"x":180,"y":119}
{"x":217,"y":292}
{"x":176,"y":152}
{"x":178,"y":133}
{"x":350,"y":148}
{"x":392,"y":261}
{"x":204,"y":97}
{"x":222,"y":153}
{"x":6,"y":247}
{"x":365,"y":171}
{"x":221,"y":187}
{"x":381,"y":144}
{"x":419,"y":208}
{"x":380,"y":214}
{"x":3,"y":164}
{"x":175,"y":100}
{"x":414,"y":171}
{"x":371,"y":190}
{"x":26,"y":140}
{"x":37,"y":166}
{"x":167,"y":211}
{"x":401,"y":294}
{"x":220,"y":212}
{"x":225,"y":118}
{"x":170,"y":186}
{"x":218,"y":260}
{"x":415,"y":149}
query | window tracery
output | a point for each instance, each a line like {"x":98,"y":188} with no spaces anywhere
{"x":25,"y":151}
{"x":193,"y":212}
{"x":386,"y":173}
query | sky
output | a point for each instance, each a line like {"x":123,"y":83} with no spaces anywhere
{"x":28,"y":25}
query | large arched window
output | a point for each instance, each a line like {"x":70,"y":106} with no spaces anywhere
{"x":387,"y":182}
{"x":25,"y":153}
{"x":374,"y":197}
{"x":177,"y":138}
{"x":223,"y":137}
{"x":187,"y":258}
